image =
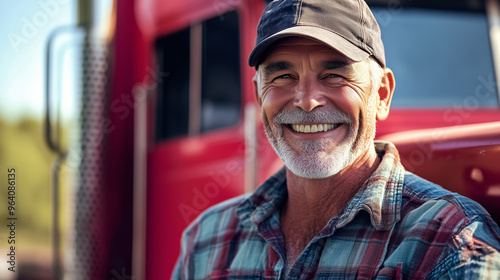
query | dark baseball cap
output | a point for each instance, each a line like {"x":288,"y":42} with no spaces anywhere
{"x":347,"y":26}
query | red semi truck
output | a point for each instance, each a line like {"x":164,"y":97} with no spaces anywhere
{"x":180,"y":130}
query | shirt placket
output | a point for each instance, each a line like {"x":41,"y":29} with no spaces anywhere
{"x":270,"y":231}
{"x":305,"y":266}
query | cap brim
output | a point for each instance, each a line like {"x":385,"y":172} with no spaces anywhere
{"x":324,"y":36}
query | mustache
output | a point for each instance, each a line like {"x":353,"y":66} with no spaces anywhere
{"x":319,"y":115}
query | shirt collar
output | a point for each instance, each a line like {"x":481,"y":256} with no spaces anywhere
{"x":266,"y":200}
{"x":382,"y":193}
{"x":380,"y":196}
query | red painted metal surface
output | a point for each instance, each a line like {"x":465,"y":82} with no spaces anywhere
{"x":463,"y":159}
{"x":412,"y":119}
{"x":184,"y":178}
{"x":129,"y":58}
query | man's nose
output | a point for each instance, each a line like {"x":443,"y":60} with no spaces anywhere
{"x":309,"y":96}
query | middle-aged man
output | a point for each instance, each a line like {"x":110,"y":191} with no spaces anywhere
{"x":343,"y":207}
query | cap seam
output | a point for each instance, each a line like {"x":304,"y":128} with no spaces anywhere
{"x":298,"y":13}
{"x":361,"y":21}
{"x":364,"y":46}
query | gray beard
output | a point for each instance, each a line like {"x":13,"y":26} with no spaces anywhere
{"x":317,"y":159}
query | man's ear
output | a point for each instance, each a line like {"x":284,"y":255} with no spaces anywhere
{"x":385,"y":94}
{"x":256,"y":89}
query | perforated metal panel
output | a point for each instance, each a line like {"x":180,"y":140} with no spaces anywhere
{"x":90,"y":247}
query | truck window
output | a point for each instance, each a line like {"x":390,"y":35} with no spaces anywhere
{"x":202,"y":91}
{"x":440,"y":58}
{"x":172,"y":107}
{"x":220,"y":88}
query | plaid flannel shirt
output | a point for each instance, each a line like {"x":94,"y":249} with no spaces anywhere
{"x":398,"y":226}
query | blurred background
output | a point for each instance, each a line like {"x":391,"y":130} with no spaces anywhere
{"x":25,"y":27}
{"x":125,"y":119}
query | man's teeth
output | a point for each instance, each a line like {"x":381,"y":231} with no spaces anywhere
{"x":306,"y":128}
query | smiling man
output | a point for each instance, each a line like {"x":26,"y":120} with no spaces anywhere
{"x":343,"y":207}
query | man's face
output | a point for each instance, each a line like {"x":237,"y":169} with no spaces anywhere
{"x":317,"y":107}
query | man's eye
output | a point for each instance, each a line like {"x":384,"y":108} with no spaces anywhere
{"x":284,"y":76}
{"x":332,"y":76}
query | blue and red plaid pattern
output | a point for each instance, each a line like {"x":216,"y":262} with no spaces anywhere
{"x":398,"y":226}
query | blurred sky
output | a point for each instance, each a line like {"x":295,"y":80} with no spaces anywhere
{"x":24,"y":28}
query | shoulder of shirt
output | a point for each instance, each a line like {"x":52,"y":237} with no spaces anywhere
{"x":227,"y":207}
{"x":424,"y":191}
{"x":464,"y":227}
